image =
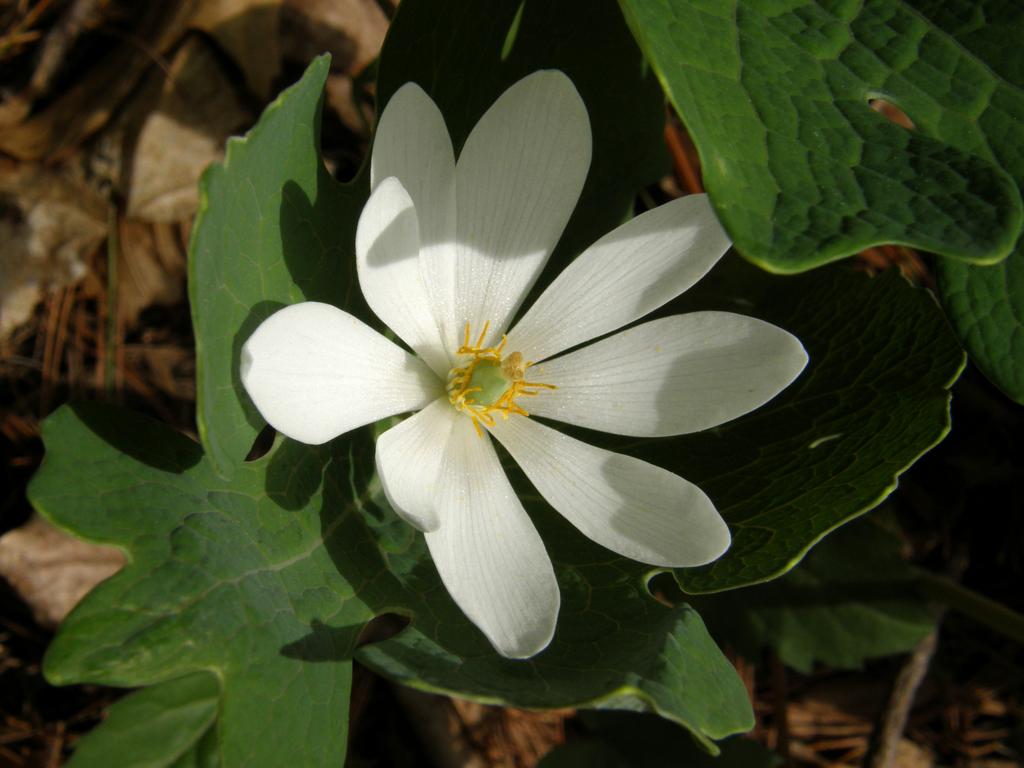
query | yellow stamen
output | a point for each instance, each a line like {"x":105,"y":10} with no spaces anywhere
{"x":472,"y":386}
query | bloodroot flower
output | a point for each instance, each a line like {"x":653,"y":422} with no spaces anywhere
{"x":446,"y":252}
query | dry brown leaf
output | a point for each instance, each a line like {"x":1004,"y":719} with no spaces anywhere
{"x":196,"y":110}
{"x":511,"y":738}
{"x":51,"y":570}
{"x":912,"y":755}
{"x":48,"y":224}
{"x":342,"y":101}
{"x":85,"y":107}
{"x":249,"y":30}
{"x":151,"y":269}
{"x":352,"y":31}
{"x":169,"y":368}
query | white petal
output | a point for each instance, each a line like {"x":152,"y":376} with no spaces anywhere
{"x":628,"y":273}
{"x":670,"y":376}
{"x":517,"y":181}
{"x":489,"y":555}
{"x":412,"y":144}
{"x":315,"y":372}
{"x":409,"y":462}
{"x":641,"y":511}
{"x":387,"y":260}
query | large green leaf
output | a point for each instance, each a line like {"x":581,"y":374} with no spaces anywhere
{"x":986,"y":304}
{"x":164,"y":725}
{"x":222,"y":575}
{"x":801,"y":169}
{"x":874,"y":397}
{"x":614,"y":646}
{"x":853,"y":598}
{"x":268,"y":577}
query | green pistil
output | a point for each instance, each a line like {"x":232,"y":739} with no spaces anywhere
{"x":492,"y":382}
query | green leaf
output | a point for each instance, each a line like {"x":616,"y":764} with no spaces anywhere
{"x":222,"y":576}
{"x":802,"y":171}
{"x":986,"y":307}
{"x":853,"y":598}
{"x":633,"y":740}
{"x":164,"y":725}
{"x":273,"y":228}
{"x":614,"y":645}
{"x":268,"y":577}
{"x":203,"y":755}
{"x":986,"y":304}
{"x":874,"y":398}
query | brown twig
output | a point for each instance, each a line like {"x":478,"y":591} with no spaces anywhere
{"x":886,"y":742}
{"x":56,"y":746}
{"x":51,"y":366}
{"x":56,"y":342}
{"x":58,"y":41}
{"x":19,"y":38}
{"x":76,"y":355}
{"x":33,"y":15}
{"x":684,"y":157}
{"x":10,"y":757}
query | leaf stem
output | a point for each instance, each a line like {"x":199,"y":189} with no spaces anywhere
{"x":984,"y":610}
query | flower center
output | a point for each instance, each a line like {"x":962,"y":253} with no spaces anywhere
{"x":487,"y":383}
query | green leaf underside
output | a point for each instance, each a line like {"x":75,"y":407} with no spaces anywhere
{"x":634,"y":740}
{"x":874,"y":398}
{"x":986,"y":304}
{"x":164,"y":725}
{"x":853,"y":598}
{"x":801,"y":170}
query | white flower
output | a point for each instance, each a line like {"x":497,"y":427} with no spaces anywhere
{"x":446,"y":254}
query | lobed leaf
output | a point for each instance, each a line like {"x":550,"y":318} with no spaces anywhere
{"x":777,"y":97}
{"x":986,"y":304}
{"x":874,"y":397}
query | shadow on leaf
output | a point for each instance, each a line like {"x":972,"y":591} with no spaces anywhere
{"x":144,"y":439}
